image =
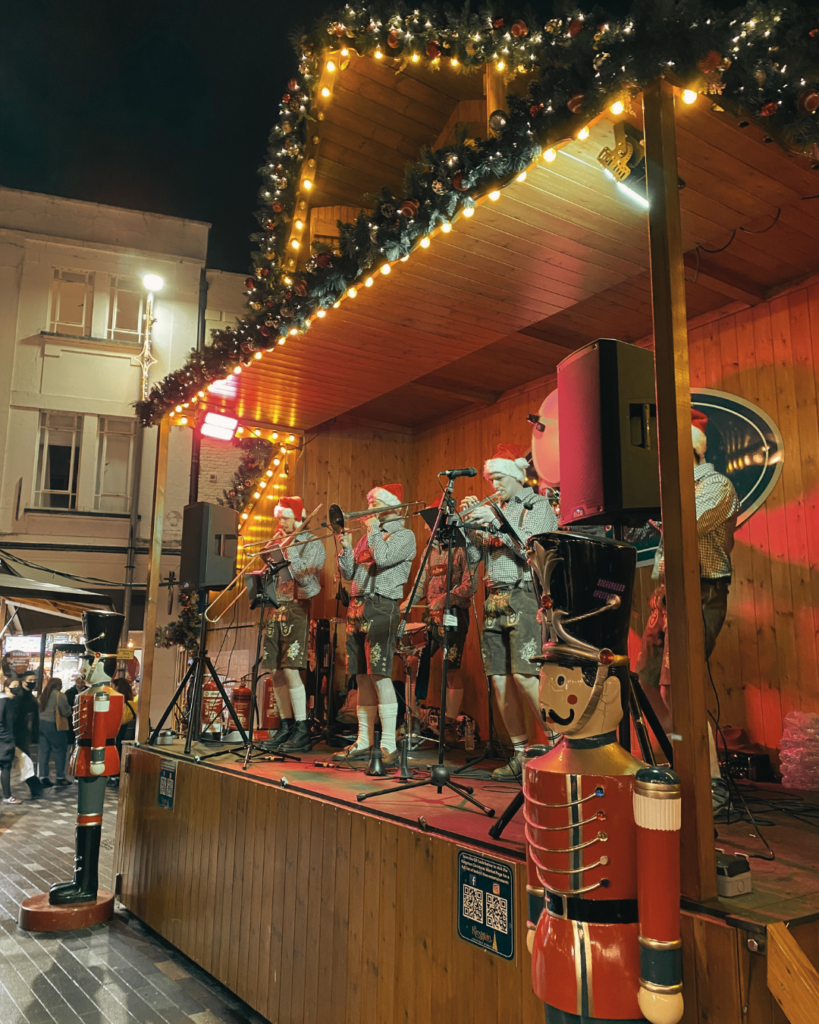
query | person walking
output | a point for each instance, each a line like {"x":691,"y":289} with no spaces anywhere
{"x":54,"y":717}
{"x":25,"y":719}
{"x":7,"y":745}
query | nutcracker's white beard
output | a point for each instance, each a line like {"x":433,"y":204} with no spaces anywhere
{"x":96,"y":673}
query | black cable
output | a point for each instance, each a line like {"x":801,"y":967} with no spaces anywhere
{"x":774,"y":222}
{"x":723,"y":248}
{"x":55,"y":572}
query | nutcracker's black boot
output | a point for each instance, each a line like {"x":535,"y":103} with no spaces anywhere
{"x":86,"y":869}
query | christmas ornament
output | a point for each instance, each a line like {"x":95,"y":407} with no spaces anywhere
{"x":519,"y":29}
{"x":433,"y":49}
{"x":497,"y":23}
{"x":808,"y":101}
{"x":276,"y":207}
{"x":263,"y":271}
{"x":710,"y":62}
{"x":293,"y":85}
{"x":300,"y":288}
{"x":256,"y":305}
{"x":294,"y":105}
{"x":553,"y":26}
{"x":440,"y":188}
{"x":250,"y":283}
{"x":388,"y":211}
{"x":575,"y":103}
{"x":409,"y":208}
{"x":498,"y":120}
{"x":458,"y":182}
{"x":769,"y":108}
{"x":535,"y":109}
{"x":286,"y":97}
{"x":575,"y":27}
{"x":393,"y":40}
{"x":271,"y":225}
{"x":324,"y":260}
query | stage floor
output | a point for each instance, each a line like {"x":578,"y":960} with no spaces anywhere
{"x":784,"y":889}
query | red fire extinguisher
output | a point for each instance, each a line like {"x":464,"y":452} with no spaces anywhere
{"x":241,"y":697}
{"x":270,"y":709}
{"x":212,"y":706}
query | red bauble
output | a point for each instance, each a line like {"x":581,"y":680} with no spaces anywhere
{"x":265,"y":332}
{"x":497,"y":23}
{"x":286,"y":97}
{"x":535,"y":109}
{"x":769,"y":108}
{"x":293,"y":85}
{"x":392,"y":40}
{"x":276,"y":207}
{"x":809,"y":101}
{"x":433,"y":49}
{"x":300,"y":288}
{"x":519,"y":29}
{"x":575,"y":103}
{"x":271,"y":225}
{"x":288,"y":296}
{"x":575,"y":27}
{"x":250,"y":284}
{"x":324,"y":260}
{"x":409,"y":208}
{"x":264,"y":271}
{"x":814,"y":32}
{"x":458,"y":182}
{"x":710,"y":62}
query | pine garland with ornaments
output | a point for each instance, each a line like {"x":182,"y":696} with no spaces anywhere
{"x":184,"y":630}
{"x":761,"y":61}
{"x":255,"y":458}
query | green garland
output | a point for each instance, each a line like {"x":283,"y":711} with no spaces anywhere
{"x":252,"y":467}
{"x":761,"y":61}
{"x":184,"y":631}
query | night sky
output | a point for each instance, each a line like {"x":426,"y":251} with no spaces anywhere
{"x":159,"y":105}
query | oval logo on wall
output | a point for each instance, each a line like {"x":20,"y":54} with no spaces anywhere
{"x":744,"y":443}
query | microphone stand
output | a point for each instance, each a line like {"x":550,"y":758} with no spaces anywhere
{"x":440,"y":774}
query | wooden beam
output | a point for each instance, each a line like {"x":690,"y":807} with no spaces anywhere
{"x":722,"y":282}
{"x":154,"y":577}
{"x":450,"y":387}
{"x":682,"y":575}
{"x":792,"y":979}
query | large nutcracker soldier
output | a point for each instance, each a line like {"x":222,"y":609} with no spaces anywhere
{"x":602,"y":828}
{"x":97,"y":719}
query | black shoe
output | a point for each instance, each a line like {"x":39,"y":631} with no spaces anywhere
{"x":35,"y":788}
{"x":46,"y":783}
{"x":63,"y":782}
{"x":299,"y":741}
{"x":86,"y":870}
{"x":281,"y":735}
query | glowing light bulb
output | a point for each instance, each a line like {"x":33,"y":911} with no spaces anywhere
{"x":282,"y":340}
{"x":292,"y":437}
{"x":330,"y":65}
{"x":257,"y":433}
{"x":237,"y":370}
{"x":454,"y":62}
{"x":617,"y":107}
{"x":521,"y":176}
{"x":415,"y":58}
{"x":257,"y":494}
{"x":386,"y":268}
{"x":352,"y":292}
{"x":294,"y":331}
{"x":425,"y":242}
{"x":469,"y":211}
{"x":368,"y":283}
{"x":689,"y":96}
{"x":321,"y":314}
{"x":295,"y":244}
{"x":183,"y":422}
{"x":178,"y":408}
{"x":446,"y":227}
{"x":549,"y":155}
{"x":345,"y":52}
{"x":275,"y":436}
{"x":244,"y":515}
{"x":276,"y":462}
{"x":270,"y":471}
{"x":500,"y":65}
{"x":378,"y":55}
{"x":494,"y":195}
{"x":583,"y":133}
{"x":240,"y":430}
{"x":300,"y":224}
{"x":307,"y":184}
{"x":325,"y":92}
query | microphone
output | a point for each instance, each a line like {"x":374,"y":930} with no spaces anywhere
{"x":454,"y":473}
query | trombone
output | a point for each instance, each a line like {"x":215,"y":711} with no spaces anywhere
{"x":337,"y":520}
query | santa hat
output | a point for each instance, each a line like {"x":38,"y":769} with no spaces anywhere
{"x":699,"y":424}
{"x":289,"y":508}
{"x":509,"y":460}
{"x":388,"y":494}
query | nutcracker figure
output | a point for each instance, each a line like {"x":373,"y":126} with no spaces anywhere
{"x":97,"y":718}
{"x":602,"y":828}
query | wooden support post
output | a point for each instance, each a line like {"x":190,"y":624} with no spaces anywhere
{"x":154,"y":577}
{"x":682,"y":574}
{"x":792,"y":978}
{"x":494,"y":87}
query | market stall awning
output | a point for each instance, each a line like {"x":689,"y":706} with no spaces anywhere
{"x":34,"y":596}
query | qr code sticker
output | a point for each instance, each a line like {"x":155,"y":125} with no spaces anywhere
{"x":473,"y":904}
{"x":496,"y":913}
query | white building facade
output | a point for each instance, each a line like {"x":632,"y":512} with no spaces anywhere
{"x":72,"y":327}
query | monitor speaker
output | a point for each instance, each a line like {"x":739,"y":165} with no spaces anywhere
{"x":607,"y":422}
{"x":210,"y":535}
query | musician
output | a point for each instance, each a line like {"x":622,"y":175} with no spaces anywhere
{"x":377,"y":568}
{"x":432,"y":588}
{"x":285,"y":645}
{"x":511,"y":631}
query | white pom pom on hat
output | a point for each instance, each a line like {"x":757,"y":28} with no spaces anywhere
{"x":509,"y":460}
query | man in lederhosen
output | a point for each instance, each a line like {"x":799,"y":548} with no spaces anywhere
{"x":377,"y":568}
{"x":288,"y":626}
{"x":511,"y":631}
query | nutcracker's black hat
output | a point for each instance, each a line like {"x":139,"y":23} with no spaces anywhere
{"x":584,"y":585}
{"x":102,"y":631}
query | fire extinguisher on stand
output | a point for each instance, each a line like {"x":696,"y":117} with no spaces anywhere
{"x":211,"y":716}
{"x":241,"y":698}
{"x":271,"y":719}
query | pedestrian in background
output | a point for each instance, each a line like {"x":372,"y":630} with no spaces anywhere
{"x":71,"y":695}
{"x":7,"y":744}
{"x":127,"y":730}
{"x":25,"y":722}
{"x":54,"y":716}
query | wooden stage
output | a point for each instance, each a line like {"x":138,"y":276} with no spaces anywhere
{"x":313,"y":907}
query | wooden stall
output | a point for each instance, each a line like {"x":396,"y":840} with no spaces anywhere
{"x":420,"y":335}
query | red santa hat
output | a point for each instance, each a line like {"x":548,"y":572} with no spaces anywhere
{"x":509,"y":460}
{"x":290,"y":508}
{"x":699,"y":424}
{"x":387,"y":494}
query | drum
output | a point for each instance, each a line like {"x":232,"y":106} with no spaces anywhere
{"x":412,"y":641}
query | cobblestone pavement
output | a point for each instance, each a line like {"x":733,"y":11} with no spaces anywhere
{"x":116,"y":973}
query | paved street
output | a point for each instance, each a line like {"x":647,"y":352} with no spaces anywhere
{"x":118,"y":973}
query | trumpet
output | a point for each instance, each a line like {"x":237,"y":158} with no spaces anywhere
{"x":484,"y":501}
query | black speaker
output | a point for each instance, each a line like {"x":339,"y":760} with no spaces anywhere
{"x":210,"y":535}
{"x":607,"y":421}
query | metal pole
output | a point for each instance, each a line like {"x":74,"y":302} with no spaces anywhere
{"x":133,"y":528}
{"x":682,"y":574}
{"x":154,"y":577}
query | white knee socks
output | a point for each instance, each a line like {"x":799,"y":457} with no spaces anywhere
{"x":282,"y":695}
{"x":366,"y":726}
{"x":298,"y":696}
{"x":388,"y":712}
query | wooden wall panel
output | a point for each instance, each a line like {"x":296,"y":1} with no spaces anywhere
{"x":313,"y":912}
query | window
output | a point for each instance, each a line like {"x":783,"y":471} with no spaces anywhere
{"x":125,"y":309}
{"x":58,"y":457}
{"x":115,"y":453}
{"x":72,"y":293}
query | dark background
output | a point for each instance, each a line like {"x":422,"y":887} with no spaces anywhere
{"x":159,"y":105}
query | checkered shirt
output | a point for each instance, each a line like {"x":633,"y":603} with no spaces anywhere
{"x":717,"y":508}
{"x":464,"y":578}
{"x":305,"y":556}
{"x":393,"y":549}
{"x":504,"y":567}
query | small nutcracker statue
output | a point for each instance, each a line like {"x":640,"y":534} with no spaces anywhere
{"x":602,"y":828}
{"x":97,"y":719}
